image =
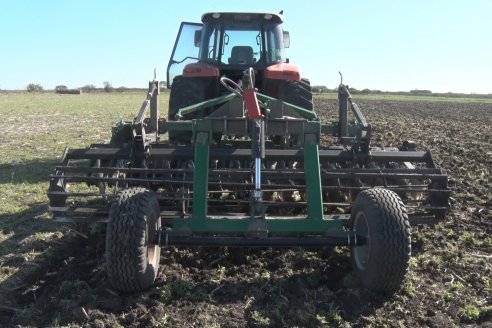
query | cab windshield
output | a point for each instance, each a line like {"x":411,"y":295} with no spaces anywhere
{"x":242,"y":45}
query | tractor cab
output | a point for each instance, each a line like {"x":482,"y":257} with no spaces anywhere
{"x":227,"y":44}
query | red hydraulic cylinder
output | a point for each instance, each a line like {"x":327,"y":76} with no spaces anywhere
{"x":251,"y":102}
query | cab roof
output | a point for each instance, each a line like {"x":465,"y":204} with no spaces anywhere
{"x":238,"y":18}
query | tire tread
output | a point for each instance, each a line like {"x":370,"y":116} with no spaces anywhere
{"x":390,"y":243}
{"x":126,"y":246}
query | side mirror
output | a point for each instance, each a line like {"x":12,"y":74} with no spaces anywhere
{"x":198,"y":37}
{"x":286,"y":39}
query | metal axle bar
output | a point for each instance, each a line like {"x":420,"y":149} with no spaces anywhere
{"x":165,"y":239}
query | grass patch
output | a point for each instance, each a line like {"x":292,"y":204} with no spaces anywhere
{"x":470,"y":313}
{"x":37,"y":128}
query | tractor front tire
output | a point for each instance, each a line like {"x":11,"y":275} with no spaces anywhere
{"x":132,"y":260}
{"x":379,"y":216}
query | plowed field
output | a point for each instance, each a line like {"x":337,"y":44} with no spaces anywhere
{"x":53,"y":276}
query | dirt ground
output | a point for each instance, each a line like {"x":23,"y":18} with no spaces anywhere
{"x":449,"y":283}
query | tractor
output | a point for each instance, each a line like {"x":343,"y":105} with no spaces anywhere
{"x":225,"y":45}
{"x":243,"y":159}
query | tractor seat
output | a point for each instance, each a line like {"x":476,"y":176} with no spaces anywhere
{"x":242,"y":55}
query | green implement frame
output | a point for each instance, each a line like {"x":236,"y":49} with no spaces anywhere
{"x":189,"y":187}
{"x":314,"y":222}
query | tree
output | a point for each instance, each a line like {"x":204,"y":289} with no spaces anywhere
{"x":34,"y":87}
{"x":60,"y":88}
{"x":107,"y":86}
{"x":88,"y":88}
{"x":353,"y":91}
{"x":319,"y":89}
{"x":420,"y":92}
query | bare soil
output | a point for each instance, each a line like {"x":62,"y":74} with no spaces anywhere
{"x":449,"y":283}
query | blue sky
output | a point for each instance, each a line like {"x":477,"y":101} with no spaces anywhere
{"x":380,"y":44}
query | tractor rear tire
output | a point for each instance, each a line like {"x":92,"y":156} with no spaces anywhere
{"x":380,"y":217}
{"x":132,"y":260}
{"x":185,"y":91}
{"x":298,"y":93}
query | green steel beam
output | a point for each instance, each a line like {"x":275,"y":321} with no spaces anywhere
{"x":202,"y":134}
{"x":178,"y":126}
{"x":205,"y":104}
{"x":308,"y":114}
{"x":311,"y":139}
{"x":248,"y":224}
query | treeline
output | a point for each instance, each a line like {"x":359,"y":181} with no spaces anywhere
{"x":320,"y":89}
{"x":88,"y":88}
{"x":317,"y":89}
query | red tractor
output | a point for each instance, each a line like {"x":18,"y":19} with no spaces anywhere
{"x":226,"y":44}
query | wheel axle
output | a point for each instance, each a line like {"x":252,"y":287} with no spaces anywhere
{"x":165,"y":239}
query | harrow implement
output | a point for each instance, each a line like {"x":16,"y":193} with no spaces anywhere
{"x":238,"y":192}
{"x":246,"y":168}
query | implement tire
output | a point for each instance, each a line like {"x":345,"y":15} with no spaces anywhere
{"x":132,"y":261}
{"x":379,"y":216}
{"x":185,"y":91}
{"x":297,"y":93}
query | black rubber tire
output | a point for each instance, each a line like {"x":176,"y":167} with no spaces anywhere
{"x":380,"y":216}
{"x":297,"y":93}
{"x":132,"y":262}
{"x":185,"y":92}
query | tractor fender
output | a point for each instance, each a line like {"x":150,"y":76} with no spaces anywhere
{"x":200,"y":70}
{"x":283,"y":71}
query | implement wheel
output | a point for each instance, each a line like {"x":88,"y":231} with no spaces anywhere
{"x":132,"y":261}
{"x":380,"y":217}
